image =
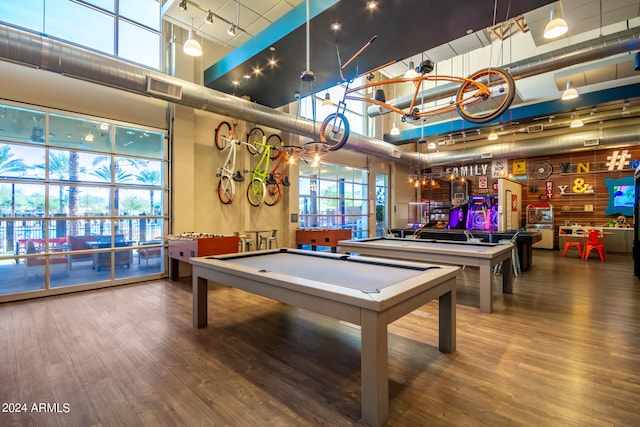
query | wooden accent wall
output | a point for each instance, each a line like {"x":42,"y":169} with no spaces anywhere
{"x":574,"y":205}
{"x":533,"y":190}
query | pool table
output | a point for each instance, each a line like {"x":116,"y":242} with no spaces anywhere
{"x":369,"y":292}
{"x":482,"y":255}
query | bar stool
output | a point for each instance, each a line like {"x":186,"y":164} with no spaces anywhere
{"x":245,"y":244}
{"x":269,"y":241}
{"x":568,"y":243}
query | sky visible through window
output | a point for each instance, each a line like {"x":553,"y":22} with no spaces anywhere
{"x":139,"y":39}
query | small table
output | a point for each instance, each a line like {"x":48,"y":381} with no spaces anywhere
{"x":257,"y":234}
{"x":482,"y":255}
{"x":370,"y":292}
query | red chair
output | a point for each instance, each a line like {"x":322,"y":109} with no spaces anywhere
{"x":568,"y":243}
{"x":594,"y":240}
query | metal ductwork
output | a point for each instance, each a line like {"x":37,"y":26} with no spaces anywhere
{"x":602,"y":47}
{"x":538,"y":147}
{"x":36,"y":51}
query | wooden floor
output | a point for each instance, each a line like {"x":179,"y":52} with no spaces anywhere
{"x":562,"y":350}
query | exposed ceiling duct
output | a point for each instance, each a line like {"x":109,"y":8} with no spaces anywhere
{"x":590,"y":50}
{"x":36,"y":51}
{"x":538,"y":147}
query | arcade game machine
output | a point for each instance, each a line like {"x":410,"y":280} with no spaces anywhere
{"x":493,"y":213}
{"x":540,"y":218}
{"x":479,"y":215}
{"x":458,"y":217}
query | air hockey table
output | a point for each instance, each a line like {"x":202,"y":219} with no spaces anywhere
{"x":366,"y":291}
{"x":482,"y":255}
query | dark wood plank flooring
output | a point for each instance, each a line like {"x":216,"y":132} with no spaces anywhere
{"x":562,"y":350}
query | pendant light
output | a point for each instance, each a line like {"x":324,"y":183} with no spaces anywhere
{"x":191,"y":46}
{"x":570,"y":92}
{"x":557,"y":26}
{"x":411,"y":71}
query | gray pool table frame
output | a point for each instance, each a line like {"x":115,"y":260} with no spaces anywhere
{"x":373,"y":312}
{"x":443,"y":252}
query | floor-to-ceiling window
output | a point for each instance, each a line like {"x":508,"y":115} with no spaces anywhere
{"x":82,"y":200}
{"x":382,"y":203}
{"x":334,"y":196}
{"x":128,"y":29}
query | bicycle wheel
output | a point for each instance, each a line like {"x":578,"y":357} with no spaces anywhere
{"x":334,"y":131}
{"x":226,"y":189}
{"x":273,"y":194}
{"x":275,"y":142}
{"x":223,"y":135}
{"x":502,"y":88}
{"x":256,"y":192}
{"x":256,"y":135}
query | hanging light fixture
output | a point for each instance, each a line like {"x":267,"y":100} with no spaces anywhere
{"x":576,"y":122}
{"x":570,"y":92}
{"x":394,"y":130}
{"x":557,"y":26}
{"x":191,"y":46}
{"x":327,"y":99}
{"x":372,"y":4}
{"x":492,"y":136}
{"x":232,"y":28}
{"x":411,"y":71}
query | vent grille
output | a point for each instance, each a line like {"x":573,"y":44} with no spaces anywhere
{"x":535,"y":128}
{"x":162,"y":88}
{"x":486,"y":155}
{"x":591,"y":142}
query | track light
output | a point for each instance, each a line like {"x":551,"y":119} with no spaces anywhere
{"x":209,"y":18}
{"x":327,"y":99}
{"x":231,"y":30}
{"x":569,"y":93}
{"x":557,"y":26}
{"x":183,"y":5}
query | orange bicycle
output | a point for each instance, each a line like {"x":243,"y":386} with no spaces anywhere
{"x":277,"y":178}
{"x":481,"y":98}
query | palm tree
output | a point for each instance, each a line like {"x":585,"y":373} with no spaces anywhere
{"x":9,"y":164}
{"x":59,"y":169}
{"x":104,"y":173}
{"x":149,"y":177}
{"x":74,"y":173}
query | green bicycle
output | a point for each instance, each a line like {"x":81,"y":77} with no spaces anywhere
{"x":257,"y":190}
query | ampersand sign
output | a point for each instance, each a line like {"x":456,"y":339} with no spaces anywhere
{"x":579,"y":186}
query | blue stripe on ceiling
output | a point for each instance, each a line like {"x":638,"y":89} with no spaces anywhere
{"x":290,"y":21}
{"x":540,"y":109}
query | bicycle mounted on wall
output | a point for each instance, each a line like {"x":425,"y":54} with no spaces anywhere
{"x":490,"y":84}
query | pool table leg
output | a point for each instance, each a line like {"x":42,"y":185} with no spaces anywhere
{"x":374,"y":368}
{"x":486,"y":298}
{"x":199,"y":292}
{"x":507,"y":276}
{"x":447,"y":322}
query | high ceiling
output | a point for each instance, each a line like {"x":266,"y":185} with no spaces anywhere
{"x":404,"y":28}
{"x":410,"y":30}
